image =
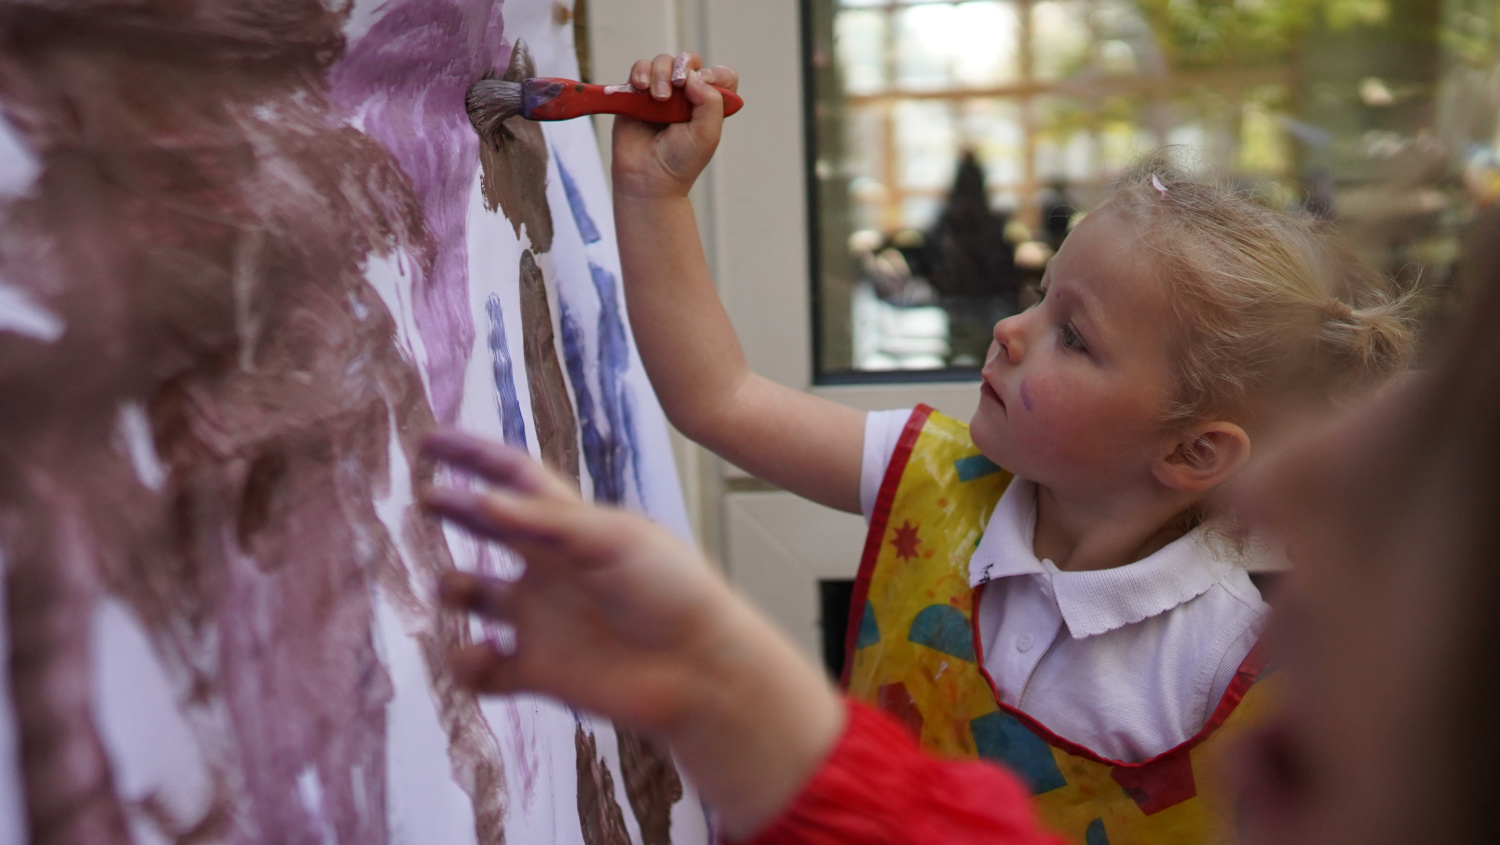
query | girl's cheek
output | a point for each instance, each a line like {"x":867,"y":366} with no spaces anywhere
{"x":1058,"y":420}
{"x":1046,"y":399}
{"x":1044,"y":416}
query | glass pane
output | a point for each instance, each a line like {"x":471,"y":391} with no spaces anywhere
{"x":1064,"y":139}
{"x":985,"y":44}
{"x":926,"y":143}
{"x":992,"y":128}
{"x":865,"y":166}
{"x":1123,"y":42}
{"x":861,"y":38}
{"x":1060,"y":39}
{"x":929,"y":129}
{"x":1212,"y":122}
{"x":920,"y":210}
{"x":924,"y":60}
{"x":1265,"y":148}
{"x":963,"y":45}
{"x":1122,"y":137}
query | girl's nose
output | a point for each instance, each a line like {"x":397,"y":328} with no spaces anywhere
{"x":1008,"y":337}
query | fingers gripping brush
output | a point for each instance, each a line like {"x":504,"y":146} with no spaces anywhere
{"x":491,"y":102}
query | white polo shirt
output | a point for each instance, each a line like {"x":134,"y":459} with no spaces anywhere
{"x":1127,"y":662}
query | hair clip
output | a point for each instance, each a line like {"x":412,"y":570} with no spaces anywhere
{"x":1156,"y":183}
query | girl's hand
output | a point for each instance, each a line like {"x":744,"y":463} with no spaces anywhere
{"x":653,"y":161}
{"x":612,"y":614}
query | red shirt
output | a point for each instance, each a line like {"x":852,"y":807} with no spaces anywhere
{"x":878,"y":786}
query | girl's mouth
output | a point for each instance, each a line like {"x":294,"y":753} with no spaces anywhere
{"x":985,"y":391}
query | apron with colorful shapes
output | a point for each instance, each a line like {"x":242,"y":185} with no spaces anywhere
{"x":913,"y":652}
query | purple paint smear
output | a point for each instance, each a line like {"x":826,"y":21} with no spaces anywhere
{"x":408,"y":76}
{"x":512,"y":420}
{"x":1025,"y":396}
{"x":586,"y":226}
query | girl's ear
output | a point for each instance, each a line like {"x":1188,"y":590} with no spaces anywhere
{"x":1203,"y":457}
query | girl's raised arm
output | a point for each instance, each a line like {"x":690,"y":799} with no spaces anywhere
{"x":804,"y":444}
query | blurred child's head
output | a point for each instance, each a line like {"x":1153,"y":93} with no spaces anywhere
{"x":1390,"y":625}
{"x":1176,"y":320}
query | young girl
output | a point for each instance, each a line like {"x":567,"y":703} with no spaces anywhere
{"x":1395,"y":590}
{"x":1085,"y":622}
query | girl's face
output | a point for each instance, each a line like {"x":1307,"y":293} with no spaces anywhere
{"x":1075,"y":387}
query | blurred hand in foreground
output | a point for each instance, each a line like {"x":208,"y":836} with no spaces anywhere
{"x":616,"y":616}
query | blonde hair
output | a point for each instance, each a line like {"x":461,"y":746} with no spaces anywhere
{"x":1268,"y":305}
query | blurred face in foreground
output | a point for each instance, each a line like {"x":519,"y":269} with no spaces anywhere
{"x":1375,"y":630}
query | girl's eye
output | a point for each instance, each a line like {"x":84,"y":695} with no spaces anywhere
{"x":1071,"y":340}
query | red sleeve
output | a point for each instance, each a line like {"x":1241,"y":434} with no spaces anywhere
{"x":878,"y":786}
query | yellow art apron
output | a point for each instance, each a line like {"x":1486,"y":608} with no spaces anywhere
{"x":914,"y":652}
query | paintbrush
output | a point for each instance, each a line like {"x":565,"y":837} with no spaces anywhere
{"x":491,"y":102}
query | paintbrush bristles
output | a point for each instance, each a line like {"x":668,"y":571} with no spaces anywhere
{"x":490,"y":103}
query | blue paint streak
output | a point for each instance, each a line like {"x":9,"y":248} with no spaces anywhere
{"x":586,"y":226}
{"x":597,"y":454}
{"x":1001,"y":737}
{"x":614,"y":361}
{"x":512,"y":422}
{"x":627,"y":421}
{"x":606,"y":420}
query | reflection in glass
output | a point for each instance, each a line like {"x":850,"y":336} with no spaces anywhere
{"x":985,"y":44}
{"x":992,"y":128}
{"x":1063,"y":139}
{"x":926,"y":139}
{"x":862,"y":37}
{"x":956,"y":142}
{"x":923,"y":61}
{"x":1060,"y":33}
{"x":1122,"y":131}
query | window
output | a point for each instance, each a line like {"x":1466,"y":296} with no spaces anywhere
{"x":953,"y":143}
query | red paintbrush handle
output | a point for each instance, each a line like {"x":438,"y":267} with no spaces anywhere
{"x":549,"y":98}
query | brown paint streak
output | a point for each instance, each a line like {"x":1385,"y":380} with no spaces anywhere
{"x":514,"y":166}
{"x":213,"y":827}
{"x":651,"y":784}
{"x":599,"y":814}
{"x":200,"y":224}
{"x":551,"y":406}
{"x":70,"y":792}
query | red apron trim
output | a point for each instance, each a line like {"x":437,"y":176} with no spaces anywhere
{"x":879,"y":516}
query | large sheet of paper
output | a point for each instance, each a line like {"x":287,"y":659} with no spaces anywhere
{"x":250,"y":252}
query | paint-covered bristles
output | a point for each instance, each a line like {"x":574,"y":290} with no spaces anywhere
{"x":490,"y":103}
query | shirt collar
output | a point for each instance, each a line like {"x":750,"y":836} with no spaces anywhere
{"x":1094,"y":602}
